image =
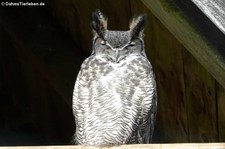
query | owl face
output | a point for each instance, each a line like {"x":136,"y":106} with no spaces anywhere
{"x":116,"y":46}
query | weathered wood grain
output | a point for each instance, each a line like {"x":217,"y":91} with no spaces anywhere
{"x":35,"y":101}
{"x":117,"y":20}
{"x":211,"y":60}
{"x":201,"y":101}
{"x":214,"y":10}
{"x":48,"y":43}
{"x":83,"y":18}
{"x":171,"y":123}
{"x":221,"y":111}
{"x":75,"y":18}
{"x":66,"y":16}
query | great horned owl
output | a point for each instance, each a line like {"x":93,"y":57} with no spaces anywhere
{"x":114,"y":98}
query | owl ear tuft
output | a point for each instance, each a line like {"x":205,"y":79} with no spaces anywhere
{"x":99,"y":23}
{"x":137,"y":25}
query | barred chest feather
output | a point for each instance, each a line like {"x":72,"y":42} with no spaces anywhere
{"x":111,"y":102}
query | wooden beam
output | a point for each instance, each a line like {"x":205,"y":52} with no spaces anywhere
{"x":194,"y":42}
{"x":212,"y":9}
{"x":136,"y":146}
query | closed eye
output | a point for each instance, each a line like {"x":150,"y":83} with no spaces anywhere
{"x":132,"y":44}
{"x":103,"y":42}
{"x":107,"y":47}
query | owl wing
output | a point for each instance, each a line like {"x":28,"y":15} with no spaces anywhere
{"x":81,"y":94}
{"x":146,"y":128}
{"x":149,"y":105}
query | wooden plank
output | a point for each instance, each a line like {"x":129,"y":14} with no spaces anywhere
{"x":190,"y":38}
{"x":201,"y":99}
{"x":171,"y":123}
{"x":136,"y":146}
{"x":12,"y":79}
{"x":44,"y":41}
{"x":36,"y":102}
{"x":221,"y":111}
{"x":30,"y":91}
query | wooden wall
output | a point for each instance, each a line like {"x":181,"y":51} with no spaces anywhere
{"x":191,"y":104}
{"x":32,"y":110}
{"x":37,"y":75}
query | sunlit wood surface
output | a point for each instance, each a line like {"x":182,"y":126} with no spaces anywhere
{"x":142,"y":146}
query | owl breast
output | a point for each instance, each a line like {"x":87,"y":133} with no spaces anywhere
{"x":111,"y":100}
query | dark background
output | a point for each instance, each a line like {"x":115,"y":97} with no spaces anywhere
{"x":42,"y":48}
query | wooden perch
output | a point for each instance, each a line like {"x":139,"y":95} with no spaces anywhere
{"x":136,"y":146}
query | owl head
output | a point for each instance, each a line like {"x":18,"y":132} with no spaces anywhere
{"x":116,"y":46}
